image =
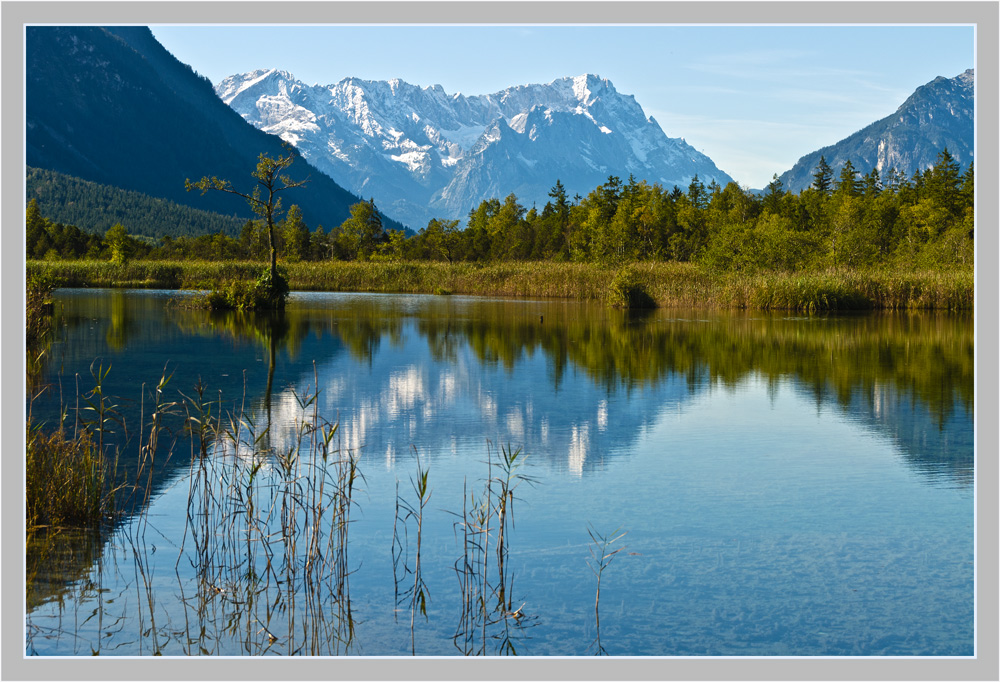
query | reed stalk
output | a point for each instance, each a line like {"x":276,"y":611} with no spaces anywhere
{"x":601,"y":557}
{"x":408,"y":513}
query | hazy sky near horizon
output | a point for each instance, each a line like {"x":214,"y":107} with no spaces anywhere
{"x":753,"y":98}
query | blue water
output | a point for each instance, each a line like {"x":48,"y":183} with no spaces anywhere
{"x":767,"y":511}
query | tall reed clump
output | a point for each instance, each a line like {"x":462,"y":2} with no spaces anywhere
{"x":37,"y":321}
{"x":628,"y":289}
{"x":489,"y":624}
{"x":71,"y":479}
{"x":269,"y":519}
{"x":39,"y":286}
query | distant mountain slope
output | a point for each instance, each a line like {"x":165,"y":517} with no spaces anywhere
{"x":95,"y":208}
{"x":112,"y":106}
{"x":937,"y":115}
{"x":422,"y":153}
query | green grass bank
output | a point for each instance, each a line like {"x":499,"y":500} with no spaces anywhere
{"x":668,"y":284}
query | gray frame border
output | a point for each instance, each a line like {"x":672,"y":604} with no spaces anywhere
{"x":984,"y":14}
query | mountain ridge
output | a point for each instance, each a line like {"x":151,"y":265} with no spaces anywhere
{"x":423,"y":153}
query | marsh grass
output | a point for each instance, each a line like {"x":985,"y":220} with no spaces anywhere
{"x":68,"y":481}
{"x":668,"y":284}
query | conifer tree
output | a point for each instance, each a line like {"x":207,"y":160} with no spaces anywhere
{"x":822,"y":176}
{"x":36,"y":237}
{"x":944,"y":183}
{"x":848,"y":183}
{"x":772,"y":198}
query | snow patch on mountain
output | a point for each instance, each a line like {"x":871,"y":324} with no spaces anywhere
{"x":464,"y":136}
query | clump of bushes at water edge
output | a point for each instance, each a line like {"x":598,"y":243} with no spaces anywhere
{"x":628,"y":290}
{"x":264,"y":293}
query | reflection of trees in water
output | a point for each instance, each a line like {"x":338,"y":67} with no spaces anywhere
{"x":890,"y":368}
{"x":929,"y":357}
{"x":55,"y":557}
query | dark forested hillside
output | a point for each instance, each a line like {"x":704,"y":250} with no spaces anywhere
{"x":96,"y":208}
{"x":112,"y":106}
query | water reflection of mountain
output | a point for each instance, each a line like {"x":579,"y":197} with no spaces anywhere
{"x":570,"y":382}
{"x":402,"y":398}
{"x":941,"y":450}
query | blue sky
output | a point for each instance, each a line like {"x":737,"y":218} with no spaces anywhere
{"x":753,"y":98}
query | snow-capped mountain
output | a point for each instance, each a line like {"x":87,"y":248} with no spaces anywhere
{"x":937,"y":115}
{"x":422,"y":153}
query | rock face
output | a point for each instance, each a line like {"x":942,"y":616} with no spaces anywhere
{"x":937,"y":115}
{"x":112,"y":106}
{"x":422,"y":153}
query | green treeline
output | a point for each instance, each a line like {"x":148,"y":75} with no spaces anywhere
{"x":851,"y":220}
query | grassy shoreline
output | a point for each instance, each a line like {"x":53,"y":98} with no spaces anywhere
{"x":668,"y":284}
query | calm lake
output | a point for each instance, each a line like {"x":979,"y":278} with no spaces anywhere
{"x":787,"y":486}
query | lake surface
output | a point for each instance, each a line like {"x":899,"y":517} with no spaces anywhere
{"x":788,"y":486}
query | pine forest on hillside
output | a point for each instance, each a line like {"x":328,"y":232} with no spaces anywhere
{"x":97,"y":208}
